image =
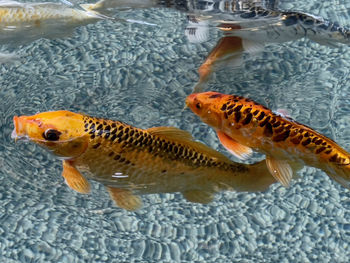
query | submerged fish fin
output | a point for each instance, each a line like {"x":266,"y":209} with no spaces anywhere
{"x":234,"y":62}
{"x":252,"y":46}
{"x":200,"y":86}
{"x":74,"y":179}
{"x":197,"y":196}
{"x":125,"y":199}
{"x":341,"y":180}
{"x":180,"y":136}
{"x":296,"y":166}
{"x":227,"y":52}
{"x":280,"y":169}
{"x":240,"y":151}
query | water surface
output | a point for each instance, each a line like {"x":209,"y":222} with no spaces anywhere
{"x":141,"y":74}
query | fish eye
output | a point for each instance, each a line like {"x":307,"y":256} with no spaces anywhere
{"x":51,"y":135}
{"x":198,"y":105}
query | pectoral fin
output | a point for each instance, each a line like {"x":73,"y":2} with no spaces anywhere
{"x":280,"y":170}
{"x":197,"y":196}
{"x":240,"y":151}
{"x":125,"y":199}
{"x":74,"y":179}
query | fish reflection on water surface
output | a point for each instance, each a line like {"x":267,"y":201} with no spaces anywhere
{"x":242,"y":125}
{"x":247,"y":27}
{"x":130,"y":161}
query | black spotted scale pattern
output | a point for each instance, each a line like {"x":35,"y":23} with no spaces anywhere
{"x":131,"y":138}
{"x":243,"y":111}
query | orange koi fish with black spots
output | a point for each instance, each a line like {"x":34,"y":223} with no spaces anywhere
{"x":130,"y":161}
{"x":243,"y":125}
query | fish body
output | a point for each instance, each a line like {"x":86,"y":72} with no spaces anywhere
{"x":25,"y":22}
{"x":244,"y":125}
{"x":130,"y":161}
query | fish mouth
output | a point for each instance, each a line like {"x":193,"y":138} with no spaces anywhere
{"x":18,"y":127}
{"x":190,"y":98}
{"x":17,"y":138}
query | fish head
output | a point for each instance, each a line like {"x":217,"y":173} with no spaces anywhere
{"x":61,"y":132}
{"x":207,"y":106}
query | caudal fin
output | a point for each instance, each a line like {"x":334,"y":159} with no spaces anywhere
{"x":257,"y":180}
{"x":260,"y":178}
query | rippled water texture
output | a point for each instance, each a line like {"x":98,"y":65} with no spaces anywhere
{"x":141,"y":74}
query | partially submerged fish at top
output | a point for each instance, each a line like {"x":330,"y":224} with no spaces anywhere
{"x":250,"y":30}
{"x":196,"y":7}
{"x":131,"y":161}
{"x":258,"y":21}
{"x":21,"y":23}
{"x":243,"y":125}
{"x":247,"y":26}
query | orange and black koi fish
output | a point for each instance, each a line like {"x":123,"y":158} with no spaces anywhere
{"x":243,"y":125}
{"x":130,"y":161}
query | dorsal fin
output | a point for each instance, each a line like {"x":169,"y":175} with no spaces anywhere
{"x":171,"y":133}
{"x":184,"y":137}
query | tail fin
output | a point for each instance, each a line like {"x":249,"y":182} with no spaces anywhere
{"x":259,"y":177}
{"x":257,"y":180}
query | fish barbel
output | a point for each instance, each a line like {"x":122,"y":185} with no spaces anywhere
{"x":130,"y":161}
{"x":243,"y":125}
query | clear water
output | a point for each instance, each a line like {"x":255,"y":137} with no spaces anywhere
{"x":141,"y":75}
